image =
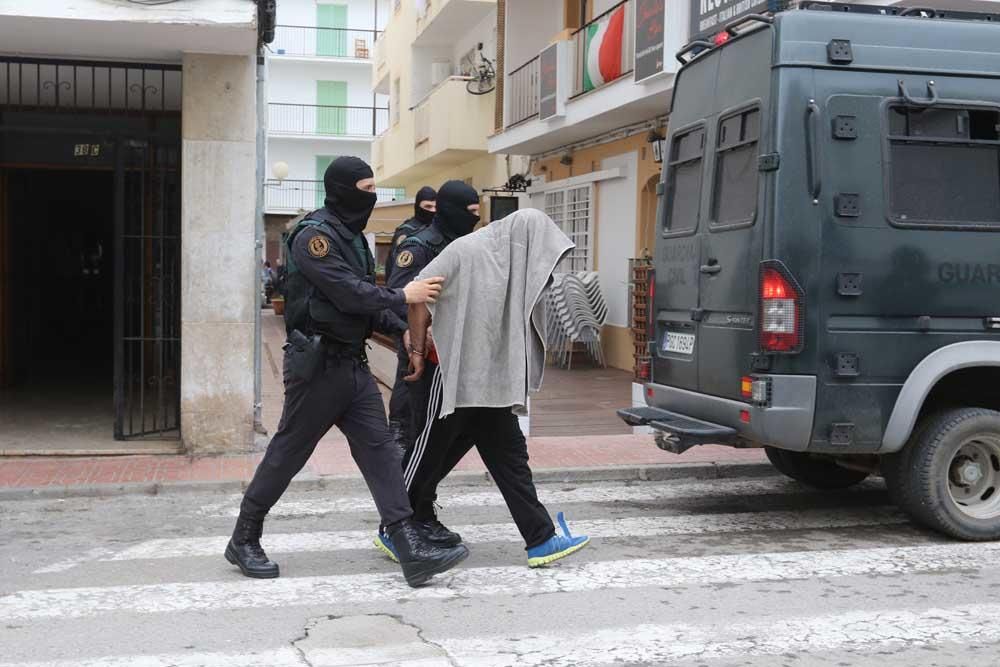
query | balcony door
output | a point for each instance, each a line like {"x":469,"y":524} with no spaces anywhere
{"x":331,"y":110}
{"x":331,"y":42}
{"x":322,"y":162}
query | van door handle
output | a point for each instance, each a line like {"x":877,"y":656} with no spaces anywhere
{"x":812,"y":151}
{"x":711,"y":268}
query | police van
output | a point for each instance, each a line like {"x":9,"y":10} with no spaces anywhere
{"x":827,"y":267}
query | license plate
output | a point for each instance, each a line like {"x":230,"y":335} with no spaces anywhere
{"x":680,"y":343}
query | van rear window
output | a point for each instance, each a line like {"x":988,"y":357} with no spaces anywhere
{"x":944,"y":167}
{"x":684,"y":180}
{"x":735,"y":198}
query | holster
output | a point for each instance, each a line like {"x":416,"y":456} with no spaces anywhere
{"x":306,"y":355}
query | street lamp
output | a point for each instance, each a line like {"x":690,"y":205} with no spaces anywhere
{"x":280,"y":170}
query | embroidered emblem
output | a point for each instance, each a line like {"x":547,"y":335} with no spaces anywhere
{"x":404,"y":259}
{"x":402,"y":237}
{"x":319,"y":246}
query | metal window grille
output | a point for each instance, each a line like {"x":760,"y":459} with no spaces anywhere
{"x":570,"y":209}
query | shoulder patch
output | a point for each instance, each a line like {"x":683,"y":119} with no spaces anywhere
{"x":402,"y":237}
{"x":404,"y":259}
{"x":319,"y":246}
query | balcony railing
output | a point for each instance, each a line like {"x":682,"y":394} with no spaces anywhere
{"x":297,"y":195}
{"x":328,"y":121}
{"x":521,"y":91}
{"x":593,"y":69}
{"x":297,"y":40}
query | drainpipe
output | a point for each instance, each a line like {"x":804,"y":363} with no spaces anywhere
{"x":259,"y":236}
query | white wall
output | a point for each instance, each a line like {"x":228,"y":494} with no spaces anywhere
{"x":530,"y":27}
{"x":485,"y":32}
{"x":294,"y":82}
{"x":360,"y":13}
{"x":616,"y":215}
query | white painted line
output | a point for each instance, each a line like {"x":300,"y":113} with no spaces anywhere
{"x":585,"y":493}
{"x":100,"y":553}
{"x":857,"y":632}
{"x":863,"y":632}
{"x":507,"y":532}
{"x":489,"y":581}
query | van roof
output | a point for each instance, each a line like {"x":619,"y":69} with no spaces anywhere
{"x":959,"y":43}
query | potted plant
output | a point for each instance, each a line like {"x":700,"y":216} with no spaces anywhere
{"x":278,"y":304}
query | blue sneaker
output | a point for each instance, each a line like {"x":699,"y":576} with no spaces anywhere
{"x":384,"y":544}
{"x":557,"y":546}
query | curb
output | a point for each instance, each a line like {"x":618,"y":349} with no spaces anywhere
{"x":647,"y":473}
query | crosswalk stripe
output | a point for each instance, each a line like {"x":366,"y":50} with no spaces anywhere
{"x":491,"y":581}
{"x":860,"y":632}
{"x":549,"y":496}
{"x":638,"y":527}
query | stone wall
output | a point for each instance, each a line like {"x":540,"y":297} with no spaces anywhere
{"x":219,"y":260}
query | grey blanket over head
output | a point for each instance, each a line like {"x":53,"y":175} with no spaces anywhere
{"x":488,"y":323}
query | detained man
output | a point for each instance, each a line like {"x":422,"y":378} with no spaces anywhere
{"x":489,"y":339}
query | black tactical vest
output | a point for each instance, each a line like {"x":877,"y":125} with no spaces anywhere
{"x":306,"y":307}
{"x":429,"y":237}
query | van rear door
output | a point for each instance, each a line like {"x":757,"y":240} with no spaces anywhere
{"x":707,"y":260}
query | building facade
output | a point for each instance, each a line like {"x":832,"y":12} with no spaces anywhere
{"x":320,"y":102}
{"x":441,"y":113}
{"x":128,"y":190}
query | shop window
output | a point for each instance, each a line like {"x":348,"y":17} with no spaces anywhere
{"x":570,"y":210}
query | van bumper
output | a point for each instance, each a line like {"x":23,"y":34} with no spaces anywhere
{"x":785,"y":422}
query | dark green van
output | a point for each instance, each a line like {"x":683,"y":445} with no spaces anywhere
{"x":827,"y":268}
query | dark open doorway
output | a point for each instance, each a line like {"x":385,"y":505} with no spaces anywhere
{"x":59,"y":233}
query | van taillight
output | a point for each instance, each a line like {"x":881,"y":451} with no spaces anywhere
{"x":781,"y":310}
{"x":651,"y":308}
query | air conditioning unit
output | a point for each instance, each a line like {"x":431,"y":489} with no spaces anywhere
{"x":439,"y":72}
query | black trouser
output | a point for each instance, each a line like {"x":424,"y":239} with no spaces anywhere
{"x":343,"y":394}
{"x":399,"y":402}
{"x":501,"y":444}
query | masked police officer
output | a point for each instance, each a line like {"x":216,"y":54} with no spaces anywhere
{"x":332,"y":306}
{"x":457,"y":215}
{"x":399,"y":402}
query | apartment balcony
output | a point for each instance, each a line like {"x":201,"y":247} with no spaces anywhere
{"x":445,"y":19}
{"x":292,"y":196}
{"x":596,"y":94}
{"x":380,"y":68}
{"x":446,"y":129}
{"x":295,"y":42}
{"x":326,"y":122}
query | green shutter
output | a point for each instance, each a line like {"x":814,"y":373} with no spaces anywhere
{"x":331,"y":120}
{"x":331,"y":42}
{"x":322,"y":162}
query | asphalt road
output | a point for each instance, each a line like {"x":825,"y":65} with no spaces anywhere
{"x":725,"y":572}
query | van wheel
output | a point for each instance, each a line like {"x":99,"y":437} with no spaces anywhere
{"x":953,"y":479}
{"x":814,"y":471}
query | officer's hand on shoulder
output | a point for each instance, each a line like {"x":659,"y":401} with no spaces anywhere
{"x":423,"y":291}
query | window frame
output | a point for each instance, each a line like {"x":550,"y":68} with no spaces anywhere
{"x":887,"y":107}
{"x":756,"y":104}
{"x":564,"y":217}
{"x":668,"y":174}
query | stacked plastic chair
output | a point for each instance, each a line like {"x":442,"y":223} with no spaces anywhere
{"x":576,"y":314}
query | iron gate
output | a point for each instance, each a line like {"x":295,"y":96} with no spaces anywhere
{"x":147,"y":284}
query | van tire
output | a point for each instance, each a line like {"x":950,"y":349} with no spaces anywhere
{"x":896,"y":472}
{"x":933,"y":488}
{"x":814,"y":471}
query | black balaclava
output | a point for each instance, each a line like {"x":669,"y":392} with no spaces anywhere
{"x":425,"y":193}
{"x":352,"y":206}
{"x":453,"y":212}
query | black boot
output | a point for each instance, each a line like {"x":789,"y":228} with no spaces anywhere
{"x":421,"y":559}
{"x":244,"y":550}
{"x":437,"y":533}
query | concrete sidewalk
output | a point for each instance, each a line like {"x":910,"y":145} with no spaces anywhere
{"x":566,"y":458}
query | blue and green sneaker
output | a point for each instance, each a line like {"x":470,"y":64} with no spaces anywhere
{"x":557,"y":546}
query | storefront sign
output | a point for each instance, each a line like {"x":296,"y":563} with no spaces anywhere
{"x":709,"y":16}
{"x":549,"y":104}
{"x":649,"y":24}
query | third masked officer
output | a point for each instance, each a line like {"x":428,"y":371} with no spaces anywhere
{"x":399,"y":403}
{"x":332,"y":307}
{"x":457,"y":215}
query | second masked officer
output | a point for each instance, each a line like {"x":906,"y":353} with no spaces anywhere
{"x":457,"y":215}
{"x":332,"y":306}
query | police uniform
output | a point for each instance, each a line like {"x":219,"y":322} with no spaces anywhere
{"x":332,"y":292}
